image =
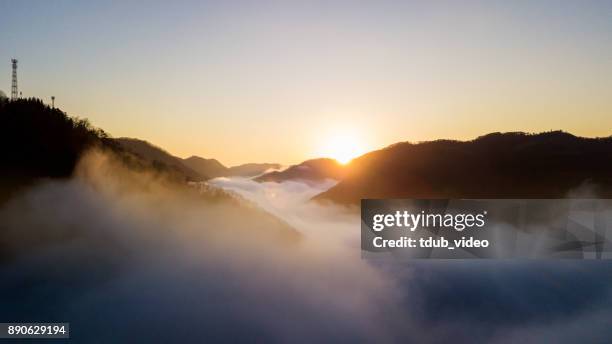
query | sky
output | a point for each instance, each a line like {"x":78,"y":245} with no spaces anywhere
{"x":284,"y":81}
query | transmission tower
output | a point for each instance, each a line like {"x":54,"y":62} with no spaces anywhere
{"x":14,"y":94}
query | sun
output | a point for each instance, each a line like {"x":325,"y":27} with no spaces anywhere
{"x":343,"y":148}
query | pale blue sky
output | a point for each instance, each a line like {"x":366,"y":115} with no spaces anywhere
{"x":281,"y":81}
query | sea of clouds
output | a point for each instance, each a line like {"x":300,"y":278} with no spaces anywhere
{"x":134,"y":264}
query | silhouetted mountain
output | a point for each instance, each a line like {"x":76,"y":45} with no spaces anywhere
{"x":214,"y":169}
{"x":37,"y":141}
{"x":498,"y":165}
{"x":153,"y":153}
{"x":309,"y":170}
{"x":208,"y":167}
{"x":252,"y":169}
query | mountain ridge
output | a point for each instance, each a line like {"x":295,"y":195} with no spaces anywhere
{"x":496,"y":165}
{"x":213,"y":168}
{"x":194,"y":167}
{"x":149,"y":151}
{"x":312,"y":170}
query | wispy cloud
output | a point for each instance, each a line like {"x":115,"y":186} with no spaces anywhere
{"x":113,"y":250}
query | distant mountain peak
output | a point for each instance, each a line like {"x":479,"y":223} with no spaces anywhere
{"x":149,"y":151}
{"x":214,"y":169}
{"x":310,"y":170}
{"x":497,"y":165}
{"x":209,"y":167}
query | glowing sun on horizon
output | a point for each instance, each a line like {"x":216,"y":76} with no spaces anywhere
{"x":343,"y":148}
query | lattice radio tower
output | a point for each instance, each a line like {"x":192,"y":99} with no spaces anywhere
{"x":14,"y":92}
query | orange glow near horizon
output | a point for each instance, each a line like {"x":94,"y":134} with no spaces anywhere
{"x":343,"y":147}
{"x":290,"y":81}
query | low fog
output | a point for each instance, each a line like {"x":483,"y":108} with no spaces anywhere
{"x":123,"y":256}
